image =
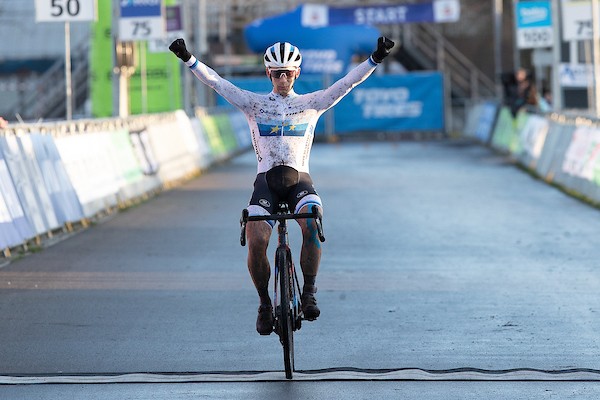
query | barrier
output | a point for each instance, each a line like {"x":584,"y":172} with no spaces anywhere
{"x":59,"y":173}
{"x":562,"y":149}
{"x":481,"y":118}
{"x":26,"y":178}
{"x":62,"y":194}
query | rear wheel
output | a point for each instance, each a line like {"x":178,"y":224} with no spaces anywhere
{"x":286,"y":331}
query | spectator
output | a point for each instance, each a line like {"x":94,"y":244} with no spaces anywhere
{"x":525,"y":91}
{"x":3,"y":123}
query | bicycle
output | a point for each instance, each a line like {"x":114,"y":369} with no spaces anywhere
{"x":287,"y":308}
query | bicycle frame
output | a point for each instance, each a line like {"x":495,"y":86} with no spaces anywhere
{"x":287,"y":307}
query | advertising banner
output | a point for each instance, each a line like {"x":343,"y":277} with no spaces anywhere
{"x":319,"y":15}
{"x":57,"y":182}
{"x":16,"y":228}
{"x":533,"y":135}
{"x":409,"y":102}
{"x":90,"y":170}
{"x":35,"y":175}
{"x":26,"y":186}
{"x":582,"y":158}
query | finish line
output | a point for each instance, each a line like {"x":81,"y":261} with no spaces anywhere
{"x":341,"y":374}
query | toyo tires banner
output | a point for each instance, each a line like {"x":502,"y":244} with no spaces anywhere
{"x":396,"y":103}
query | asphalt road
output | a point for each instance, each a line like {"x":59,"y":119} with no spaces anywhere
{"x":447,"y":271}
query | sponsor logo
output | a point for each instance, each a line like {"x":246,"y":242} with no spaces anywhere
{"x":264,"y":203}
{"x":302,"y":194}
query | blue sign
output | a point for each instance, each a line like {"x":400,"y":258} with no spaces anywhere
{"x":534,"y":14}
{"x":380,"y":15}
{"x":319,"y":15}
{"x":395,"y":103}
{"x":140,"y":8}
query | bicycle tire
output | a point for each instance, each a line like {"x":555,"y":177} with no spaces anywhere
{"x":286,"y":331}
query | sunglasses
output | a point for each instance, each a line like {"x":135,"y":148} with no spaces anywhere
{"x":277,"y":73}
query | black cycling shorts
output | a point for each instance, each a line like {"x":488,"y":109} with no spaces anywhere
{"x":282,"y":183}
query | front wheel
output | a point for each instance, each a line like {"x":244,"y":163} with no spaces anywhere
{"x":285,"y":310}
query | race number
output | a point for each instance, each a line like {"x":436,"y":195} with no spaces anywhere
{"x":65,"y":10}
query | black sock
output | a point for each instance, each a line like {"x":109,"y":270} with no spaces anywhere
{"x":264,"y":296}
{"x":309,"y":282}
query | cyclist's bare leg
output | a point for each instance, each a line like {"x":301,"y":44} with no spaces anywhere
{"x":258,"y":234}
{"x":310,"y":257}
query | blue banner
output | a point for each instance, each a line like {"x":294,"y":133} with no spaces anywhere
{"x":320,"y":15}
{"x":395,"y":103}
{"x":381,"y":15}
{"x":140,"y":8}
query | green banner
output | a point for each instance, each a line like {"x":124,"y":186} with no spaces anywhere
{"x":154,"y":87}
{"x":211,"y":129}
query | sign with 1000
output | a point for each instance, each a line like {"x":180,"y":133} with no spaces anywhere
{"x":64,"y":10}
{"x":534,"y":24}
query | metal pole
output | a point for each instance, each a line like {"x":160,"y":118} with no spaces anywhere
{"x":596,"y":52}
{"x":116,"y":11}
{"x":68,"y":88}
{"x":557,"y":101}
{"x":203,"y":49}
{"x":144,"y":75}
{"x":498,"y":11}
{"x":516,"y":51}
{"x":188,"y":84}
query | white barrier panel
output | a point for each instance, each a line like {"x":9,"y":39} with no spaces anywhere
{"x":532,"y":138}
{"x":143,"y":152}
{"x":90,"y":171}
{"x":170,"y":140}
{"x":14,"y":226}
{"x":129,"y":176}
{"x":57,"y":182}
{"x":205,"y":157}
{"x":35,"y":174}
{"x":583,"y":154}
{"x":26,"y":183}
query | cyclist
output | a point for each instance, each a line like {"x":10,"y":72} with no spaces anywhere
{"x":282,"y":125}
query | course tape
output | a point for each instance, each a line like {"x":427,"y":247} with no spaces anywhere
{"x":331,"y":374}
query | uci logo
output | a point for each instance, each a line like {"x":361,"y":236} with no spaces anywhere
{"x":264,"y":203}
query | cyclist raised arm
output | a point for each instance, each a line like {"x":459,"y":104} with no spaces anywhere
{"x":282,"y":125}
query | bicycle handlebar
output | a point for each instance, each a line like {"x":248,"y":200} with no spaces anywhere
{"x":316,"y":214}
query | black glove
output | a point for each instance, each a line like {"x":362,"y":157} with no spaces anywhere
{"x":384,"y":46}
{"x":178,"y":48}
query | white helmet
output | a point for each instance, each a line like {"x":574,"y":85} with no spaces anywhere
{"x":282,"y":55}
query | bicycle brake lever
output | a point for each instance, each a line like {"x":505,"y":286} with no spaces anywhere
{"x":243,"y":221}
{"x":318,"y":222}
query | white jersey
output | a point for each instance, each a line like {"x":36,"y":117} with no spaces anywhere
{"x":282,"y":128}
